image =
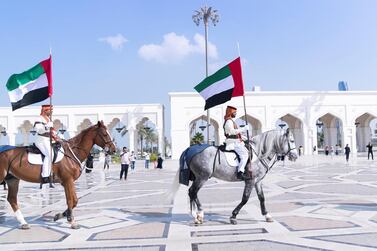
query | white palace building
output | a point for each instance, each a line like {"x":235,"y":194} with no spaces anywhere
{"x":16,"y":128}
{"x":316,"y":118}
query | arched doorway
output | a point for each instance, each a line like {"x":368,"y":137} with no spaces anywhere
{"x":329,"y":132}
{"x":256,"y":125}
{"x":147,"y":139}
{"x":366,"y":131}
{"x":198,"y":131}
{"x":295,"y":126}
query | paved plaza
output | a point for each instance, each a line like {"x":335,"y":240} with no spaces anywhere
{"x":318,"y":203}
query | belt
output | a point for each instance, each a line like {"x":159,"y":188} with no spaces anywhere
{"x":232,"y":137}
{"x":46,"y":134}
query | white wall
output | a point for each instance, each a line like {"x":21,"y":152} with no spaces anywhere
{"x":267,"y":107}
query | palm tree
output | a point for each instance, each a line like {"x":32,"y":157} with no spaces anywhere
{"x":197,"y":139}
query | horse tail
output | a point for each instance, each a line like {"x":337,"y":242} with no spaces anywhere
{"x":170,"y":194}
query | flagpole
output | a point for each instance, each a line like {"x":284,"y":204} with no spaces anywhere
{"x":206,"y":49}
{"x":51,"y":129}
{"x":244,"y":105}
{"x":206,"y":14}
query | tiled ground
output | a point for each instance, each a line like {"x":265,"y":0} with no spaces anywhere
{"x":318,"y":203}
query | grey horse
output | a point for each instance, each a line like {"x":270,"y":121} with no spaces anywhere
{"x":213,"y":163}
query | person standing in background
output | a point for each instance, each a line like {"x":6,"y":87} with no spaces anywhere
{"x":133,"y":160}
{"x":107,"y":161}
{"x":124,"y":163}
{"x":159,"y":161}
{"x":370,"y":150}
{"x":147,"y":159}
{"x":347,"y":151}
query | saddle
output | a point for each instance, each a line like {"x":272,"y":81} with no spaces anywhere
{"x":231,"y":156}
{"x":35,"y":156}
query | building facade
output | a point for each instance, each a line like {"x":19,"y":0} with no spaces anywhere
{"x":16,"y":127}
{"x":316,"y":118}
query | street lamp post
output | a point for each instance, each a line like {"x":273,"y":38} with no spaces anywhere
{"x":206,"y":14}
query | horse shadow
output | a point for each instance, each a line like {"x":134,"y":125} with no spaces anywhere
{"x":210,"y":218}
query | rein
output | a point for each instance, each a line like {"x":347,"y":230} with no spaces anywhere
{"x":76,"y":159}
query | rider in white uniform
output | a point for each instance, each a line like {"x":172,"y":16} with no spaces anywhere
{"x":234,"y":140}
{"x":44,"y":128}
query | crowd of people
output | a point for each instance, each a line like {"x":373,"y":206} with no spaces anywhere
{"x":127,"y":161}
{"x":337,"y":150}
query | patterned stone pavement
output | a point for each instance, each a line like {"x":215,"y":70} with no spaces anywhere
{"x":318,"y":203}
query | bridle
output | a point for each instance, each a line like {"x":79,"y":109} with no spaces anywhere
{"x":289,"y":145}
{"x":101,"y":136}
{"x":106,"y":143}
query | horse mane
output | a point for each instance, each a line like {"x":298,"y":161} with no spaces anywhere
{"x":265,"y":143}
{"x":78,"y":138}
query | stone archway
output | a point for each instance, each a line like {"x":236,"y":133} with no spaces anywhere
{"x":86,"y":123}
{"x":330,"y":131}
{"x":147,"y":139}
{"x":296,"y":127}
{"x":364,"y":130}
{"x":24,"y":138}
{"x":256,"y":125}
{"x":199,"y":125}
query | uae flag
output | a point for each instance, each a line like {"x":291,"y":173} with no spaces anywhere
{"x":222,"y":85}
{"x":31,"y":86}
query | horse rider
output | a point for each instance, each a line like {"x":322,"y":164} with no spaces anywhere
{"x":235,"y":141}
{"x":46,"y":135}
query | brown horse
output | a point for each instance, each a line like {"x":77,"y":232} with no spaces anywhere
{"x":14,"y":166}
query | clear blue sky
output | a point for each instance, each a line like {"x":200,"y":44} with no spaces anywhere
{"x":124,"y":52}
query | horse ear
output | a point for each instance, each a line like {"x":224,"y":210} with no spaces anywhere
{"x":287,"y":131}
{"x":99,"y":123}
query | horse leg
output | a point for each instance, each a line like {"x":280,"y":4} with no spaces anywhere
{"x":12,"y":199}
{"x":72,"y":200}
{"x":245,"y":197}
{"x":59,"y":216}
{"x":194,"y":200}
{"x":259,"y":190}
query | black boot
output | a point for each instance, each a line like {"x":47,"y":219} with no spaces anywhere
{"x":45,"y":180}
{"x":243,"y":176}
{"x":51,"y":185}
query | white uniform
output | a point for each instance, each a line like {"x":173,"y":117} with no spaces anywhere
{"x":234,"y":141}
{"x":42,"y":141}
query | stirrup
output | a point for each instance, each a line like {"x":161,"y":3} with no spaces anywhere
{"x":45,"y":180}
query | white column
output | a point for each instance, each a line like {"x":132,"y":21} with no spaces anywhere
{"x":310,"y":139}
{"x":25,"y":136}
{"x":161,"y":145}
{"x":349,"y":133}
{"x":71,"y":126}
{"x":180,"y":141}
{"x":366,"y":137}
{"x":12,"y":138}
{"x":131,"y":138}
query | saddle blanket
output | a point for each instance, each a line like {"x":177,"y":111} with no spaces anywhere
{"x":36,"y":159}
{"x":184,"y":162}
{"x":6,"y":148}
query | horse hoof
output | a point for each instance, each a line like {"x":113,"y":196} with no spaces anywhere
{"x":269,"y":219}
{"x":58,"y":216}
{"x":25,"y":226}
{"x":75,"y":226}
{"x":233,"y":221}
